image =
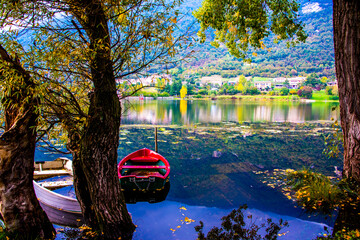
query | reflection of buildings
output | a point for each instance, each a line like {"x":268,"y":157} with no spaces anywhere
{"x":296,"y":114}
{"x":148,"y":115}
{"x":262,"y":113}
{"x":190,"y":112}
{"x":211,"y":113}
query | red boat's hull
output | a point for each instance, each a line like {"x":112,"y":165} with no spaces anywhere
{"x":143,"y":170}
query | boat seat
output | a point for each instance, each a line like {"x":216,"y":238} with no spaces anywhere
{"x":144,"y":159}
{"x":142,"y":167}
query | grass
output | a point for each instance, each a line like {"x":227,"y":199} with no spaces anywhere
{"x":320,"y":96}
{"x":261,"y":79}
{"x":149,"y":90}
{"x":250,"y":97}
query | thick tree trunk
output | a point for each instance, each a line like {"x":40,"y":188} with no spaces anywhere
{"x":19,"y":206}
{"x":347,"y":59}
{"x":23,"y":216}
{"x":96,"y":181}
{"x":346,"y":20}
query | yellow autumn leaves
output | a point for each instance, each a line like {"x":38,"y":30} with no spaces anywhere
{"x":186,"y":220}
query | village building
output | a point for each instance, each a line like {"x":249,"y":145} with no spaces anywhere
{"x":263,"y":85}
{"x":214,"y":81}
{"x":294,"y":82}
{"x":146,"y":81}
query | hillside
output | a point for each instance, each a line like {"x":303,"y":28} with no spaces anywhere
{"x":316,"y":55}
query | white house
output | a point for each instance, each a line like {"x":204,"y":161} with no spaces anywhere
{"x":294,"y":82}
{"x":263,"y":85}
{"x":146,"y":81}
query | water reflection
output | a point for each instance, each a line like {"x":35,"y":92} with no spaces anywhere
{"x":164,"y":221}
{"x":187,"y":112}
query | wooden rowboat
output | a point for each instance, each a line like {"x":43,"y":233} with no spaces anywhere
{"x":61,"y":210}
{"x":143,"y":170}
{"x":144,"y":176}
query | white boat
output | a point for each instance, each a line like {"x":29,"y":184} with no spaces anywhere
{"x":61,"y":210}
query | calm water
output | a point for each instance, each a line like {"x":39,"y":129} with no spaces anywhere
{"x":187,"y":112}
{"x":215,"y":148}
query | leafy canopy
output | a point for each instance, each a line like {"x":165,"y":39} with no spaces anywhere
{"x":243,"y":24}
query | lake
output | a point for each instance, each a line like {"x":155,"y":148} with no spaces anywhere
{"x":188,"y":112}
{"x":223,"y":155}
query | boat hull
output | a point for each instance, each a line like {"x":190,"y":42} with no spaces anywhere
{"x":135,"y":196}
{"x":143,"y":170}
{"x":61,"y":210}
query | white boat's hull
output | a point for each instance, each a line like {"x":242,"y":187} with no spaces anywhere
{"x":60,"y":209}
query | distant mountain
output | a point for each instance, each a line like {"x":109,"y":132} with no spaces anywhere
{"x":316,"y":55}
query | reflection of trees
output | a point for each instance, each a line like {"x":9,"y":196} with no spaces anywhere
{"x":183,"y":107}
{"x":189,"y":112}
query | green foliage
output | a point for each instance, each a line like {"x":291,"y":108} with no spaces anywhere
{"x":203,"y":92}
{"x":328,"y":90}
{"x":286,"y":84}
{"x":164,"y":94}
{"x":314,"y":191}
{"x":305,"y":92}
{"x":334,"y":141}
{"x":175,"y":88}
{"x":313,"y":81}
{"x":242,"y":80}
{"x":333,"y":97}
{"x":343,"y":234}
{"x":234,"y":227}
{"x":252,"y":91}
{"x":284,"y":91}
{"x":244,"y":24}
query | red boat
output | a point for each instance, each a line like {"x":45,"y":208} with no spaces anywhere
{"x":143,"y":170}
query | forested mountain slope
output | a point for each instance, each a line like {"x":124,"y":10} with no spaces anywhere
{"x":316,"y":55}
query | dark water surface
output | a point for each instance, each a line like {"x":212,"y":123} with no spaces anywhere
{"x":220,"y":153}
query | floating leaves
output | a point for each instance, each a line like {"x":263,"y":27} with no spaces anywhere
{"x":188,"y":220}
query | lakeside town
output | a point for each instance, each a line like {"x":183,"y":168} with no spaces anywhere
{"x":166,"y":85}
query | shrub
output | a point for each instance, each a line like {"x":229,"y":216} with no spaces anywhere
{"x":203,"y":92}
{"x":198,"y":96}
{"x":164,"y":94}
{"x":293,"y":92}
{"x":334,"y":97}
{"x":252,"y":91}
{"x":284,"y":91}
{"x":328,"y":90}
{"x":305,"y":92}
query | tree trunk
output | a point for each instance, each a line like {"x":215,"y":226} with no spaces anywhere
{"x":19,"y":206}
{"x":346,"y":20}
{"x":96,"y":182}
{"x":23,"y":216}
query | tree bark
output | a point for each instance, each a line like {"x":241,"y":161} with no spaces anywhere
{"x":23,"y":216}
{"x":346,"y":21}
{"x":96,"y":182}
{"x":347,"y":63}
